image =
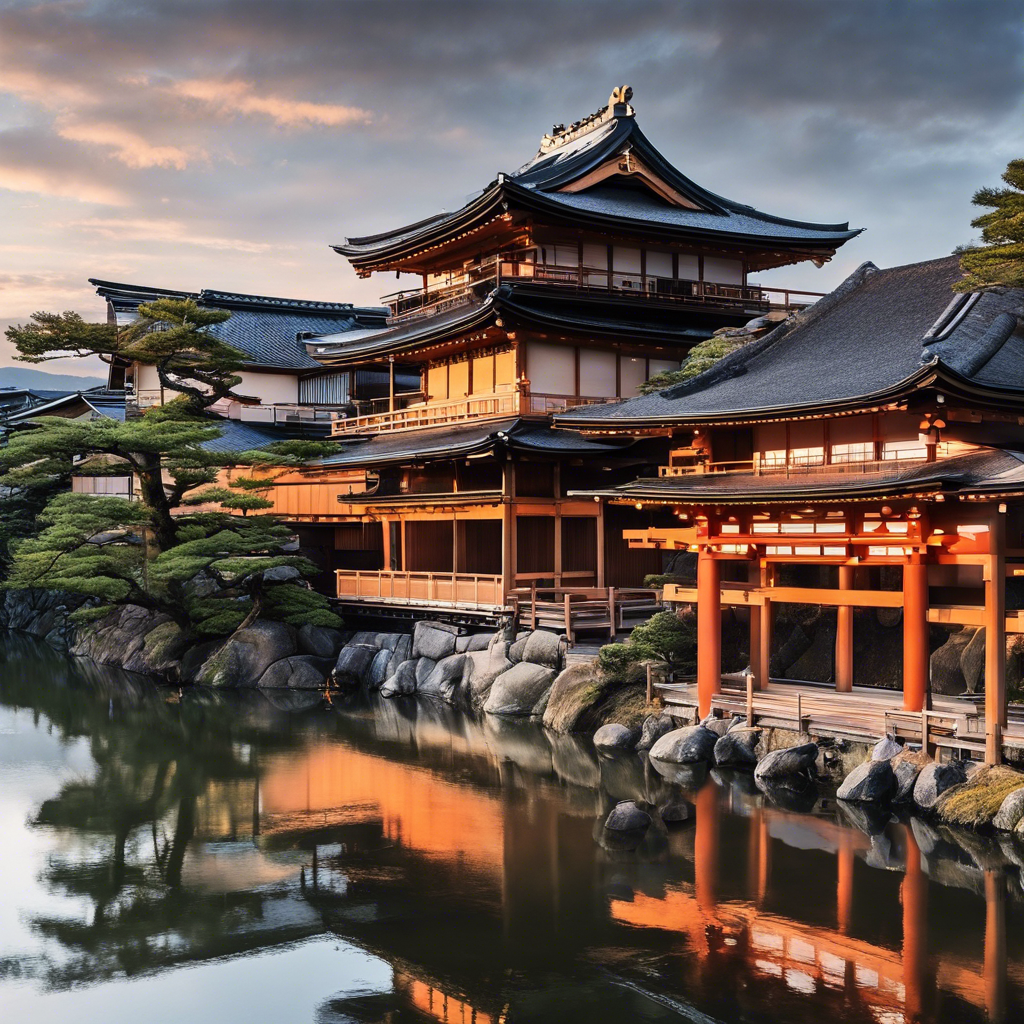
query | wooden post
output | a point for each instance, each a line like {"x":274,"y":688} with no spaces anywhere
{"x":995,"y":653}
{"x":568,"y":616}
{"x":650,"y":684}
{"x":924,"y":732}
{"x":611,"y":613}
{"x":799,"y":713}
{"x":709,"y":630}
{"x":533,"y":604}
{"x":915,"y":635}
{"x":754,"y":576}
{"x":750,"y":698}
{"x":844,"y":635}
{"x":391,"y":383}
{"x":600,"y":541}
{"x":765,"y":632}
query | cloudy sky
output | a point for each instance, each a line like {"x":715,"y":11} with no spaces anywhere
{"x":226,"y":143}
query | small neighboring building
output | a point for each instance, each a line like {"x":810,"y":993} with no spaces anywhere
{"x":880,"y":431}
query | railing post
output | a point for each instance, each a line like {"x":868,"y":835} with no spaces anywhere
{"x":568,"y":617}
{"x":533,"y":604}
{"x":650,"y":684}
{"x":750,"y":699}
{"x":612,"y":612}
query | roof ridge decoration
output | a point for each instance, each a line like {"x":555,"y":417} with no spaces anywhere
{"x":617,"y":106}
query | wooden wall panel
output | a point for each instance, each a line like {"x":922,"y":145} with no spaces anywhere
{"x":535,"y":543}
{"x":579,"y":543}
{"x":429,"y":545}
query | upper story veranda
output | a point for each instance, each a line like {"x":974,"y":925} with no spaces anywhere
{"x":597,"y":215}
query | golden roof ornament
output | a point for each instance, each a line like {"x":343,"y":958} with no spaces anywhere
{"x":618,"y":106}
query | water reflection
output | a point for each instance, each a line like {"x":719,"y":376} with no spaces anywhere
{"x":469,"y":858}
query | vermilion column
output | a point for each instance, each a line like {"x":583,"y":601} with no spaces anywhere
{"x":844,"y":635}
{"x":754,"y":577}
{"x":709,"y":630}
{"x":915,"y":635}
{"x":995,"y":654}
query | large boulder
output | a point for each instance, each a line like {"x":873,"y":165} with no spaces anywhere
{"x":522,"y":690}
{"x":625,"y":816}
{"x":935,"y":779}
{"x":1010,"y":812}
{"x":738,"y":748}
{"x":402,"y":681}
{"x":473,"y":642}
{"x":194,"y":658}
{"x":353,"y":663}
{"x":614,"y":737}
{"x":654,"y":727}
{"x":281,"y":574}
{"x":434,"y":640}
{"x":299,"y":672}
{"x":885,"y":748}
{"x":445,"y":678}
{"x":319,"y":641}
{"x":870,"y":782}
{"x":787,"y":763}
{"x":543,"y":648}
{"x":574,"y":694}
{"x":379,"y":668}
{"x":972,"y":660}
{"x":691,"y":745}
{"x":976,"y":803}
{"x":247,"y":654}
{"x":517,"y":649}
{"x":424,"y":666}
{"x":480,"y":669}
{"x":719,"y":726}
{"x":907,"y":766}
{"x":947,"y":676}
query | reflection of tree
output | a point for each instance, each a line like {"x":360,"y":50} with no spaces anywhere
{"x":156,"y":758}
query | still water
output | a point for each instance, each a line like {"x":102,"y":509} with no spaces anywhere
{"x":202,"y":857}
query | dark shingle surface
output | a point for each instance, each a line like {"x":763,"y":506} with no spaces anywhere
{"x":236,"y":436}
{"x":863,"y":339}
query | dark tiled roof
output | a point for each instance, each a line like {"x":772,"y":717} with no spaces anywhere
{"x":107,"y":403}
{"x":984,"y":470}
{"x":614,"y":133}
{"x":867,"y":338}
{"x":268,"y":329}
{"x":236,"y":436}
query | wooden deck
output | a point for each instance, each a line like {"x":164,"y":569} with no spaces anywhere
{"x":863,"y":715}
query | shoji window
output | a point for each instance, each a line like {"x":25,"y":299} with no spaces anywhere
{"x":722,"y":271}
{"x":659,"y":264}
{"x":597,"y":373}
{"x":632,"y":372}
{"x":328,"y":389}
{"x":551,"y":369}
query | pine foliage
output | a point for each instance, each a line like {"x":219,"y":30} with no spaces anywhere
{"x":1000,"y":261}
{"x":702,"y":357}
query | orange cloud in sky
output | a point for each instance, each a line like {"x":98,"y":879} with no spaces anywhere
{"x":237,"y":97}
{"x":129,"y":147}
{"x":63,"y":184}
{"x":141,"y":229}
{"x":47,"y":90}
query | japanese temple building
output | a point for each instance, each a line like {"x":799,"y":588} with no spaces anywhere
{"x":881,"y":428}
{"x":565,"y":284}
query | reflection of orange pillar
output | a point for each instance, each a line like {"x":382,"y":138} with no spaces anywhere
{"x":705,"y":848}
{"x":914,"y":894}
{"x":709,"y":630}
{"x":995,"y":946}
{"x":844,"y":635}
{"x":764,"y":862}
{"x":915,"y":635}
{"x":844,"y":883}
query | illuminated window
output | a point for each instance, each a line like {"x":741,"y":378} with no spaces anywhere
{"x":859,"y":451}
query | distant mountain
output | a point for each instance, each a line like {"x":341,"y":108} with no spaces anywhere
{"x":23,"y":377}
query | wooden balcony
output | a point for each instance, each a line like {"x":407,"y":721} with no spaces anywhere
{"x":519,"y":268}
{"x":424,"y":589}
{"x":578,"y":610}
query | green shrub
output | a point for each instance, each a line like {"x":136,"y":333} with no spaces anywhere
{"x":664,"y":637}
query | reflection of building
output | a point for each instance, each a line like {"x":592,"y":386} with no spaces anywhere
{"x":879,"y":432}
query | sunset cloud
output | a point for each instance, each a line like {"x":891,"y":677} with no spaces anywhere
{"x":238,"y":97}
{"x":164,"y":230}
{"x":60,"y":183}
{"x":131,"y":148}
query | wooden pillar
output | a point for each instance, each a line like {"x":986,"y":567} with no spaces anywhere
{"x":508,"y":568}
{"x":995,"y":650}
{"x":391,"y":383}
{"x":844,"y":882}
{"x":995,"y":946}
{"x":709,"y":630}
{"x":914,"y":896}
{"x":764,"y":658}
{"x":754,"y":576}
{"x":385,"y":531}
{"x":915,"y":635}
{"x":600,"y":545}
{"x":844,"y":635}
{"x":558,"y":543}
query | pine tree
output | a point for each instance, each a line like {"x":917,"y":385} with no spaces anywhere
{"x":199,"y":548}
{"x":1000,"y":261}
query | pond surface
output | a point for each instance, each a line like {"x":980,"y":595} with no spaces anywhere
{"x":233,"y":858}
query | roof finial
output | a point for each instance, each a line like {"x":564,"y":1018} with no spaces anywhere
{"x":621,"y":95}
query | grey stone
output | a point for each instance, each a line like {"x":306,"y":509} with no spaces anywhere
{"x":194,"y":658}
{"x":518,"y":649}
{"x":480,"y":669}
{"x":444,"y":678}
{"x":870,"y":782}
{"x":885,"y":748}
{"x":614,"y":737}
{"x":676,"y":811}
{"x":247,"y":654}
{"x":434,"y":640}
{"x":972,"y":660}
{"x":934,"y":780}
{"x":719,"y":726}
{"x":424,"y":666}
{"x":625,"y":816}
{"x":947,"y":676}
{"x":738,"y":748}
{"x":790,"y":761}
{"x":519,"y":690}
{"x":542,"y":648}
{"x":402,"y":681}
{"x":377,"y":670}
{"x":299,"y":672}
{"x":1010,"y":812}
{"x":906,"y":773}
{"x":473,"y":642}
{"x":654,"y":727}
{"x":353,"y":662}
{"x":690,"y":745}
{"x":319,"y":641}
{"x":281,"y":574}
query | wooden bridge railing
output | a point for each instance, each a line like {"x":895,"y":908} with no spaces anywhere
{"x":575,"y":610}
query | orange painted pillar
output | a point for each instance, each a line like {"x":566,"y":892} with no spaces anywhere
{"x":754,"y":577}
{"x":995,"y":651}
{"x":914,"y":895}
{"x":709,"y":630}
{"x":765,"y":654}
{"x":844,"y":883}
{"x":995,"y":946}
{"x":915,"y":636}
{"x":705,"y":848}
{"x":844,"y":635}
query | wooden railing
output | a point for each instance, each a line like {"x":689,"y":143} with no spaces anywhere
{"x":474,"y":407}
{"x":475,"y":281}
{"x":576,"y":610}
{"x":461,"y":590}
{"x":885,"y":467}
